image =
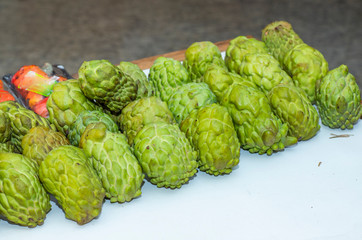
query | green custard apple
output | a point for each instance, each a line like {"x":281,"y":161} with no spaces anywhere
{"x":165,"y":154}
{"x":339,"y":99}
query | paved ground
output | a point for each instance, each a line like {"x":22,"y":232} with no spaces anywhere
{"x":69,"y":32}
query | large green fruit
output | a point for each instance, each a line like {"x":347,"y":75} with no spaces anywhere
{"x":84,"y":119}
{"x":280,"y":38}
{"x":68,"y":175}
{"x":166,"y":74}
{"x":339,"y":99}
{"x":306,"y":66}
{"x":21,"y":121}
{"x":166,"y":156}
{"x":23,"y":199}
{"x":65,"y":103}
{"x":293,"y":107}
{"x":141,"y":112}
{"x":258,"y":129}
{"x":189,"y":97}
{"x":238,"y":48}
{"x":263,"y":70}
{"x":145,"y":88}
{"x":113,"y":159}
{"x":106,"y":84}
{"x":39,"y":141}
{"x":199,"y":56}
{"x":211,"y":132}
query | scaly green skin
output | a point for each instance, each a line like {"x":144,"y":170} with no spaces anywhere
{"x":23,"y":199}
{"x":22,"y":120}
{"x":293,"y":107}
{"x":238,"y":48}
{"x":39,"y":141}
{"x":280,"y":38}
{"x":112,"y":158}
{"x":263,"y":70}
{"x":166,"y":74}
{"x":65,"y":103}
{"x":305,"y":65}
{"x":106,"y":84}
{"x":84,"y":119}
{"x":211,"y":132}
{"x":8,"y":147}
{"x":145,"y":88}
{"x":258,"y":129}
{"x":5,"y":127}
{"x":166,"y":156}
{"x":188,"y":97}
{"x":68,"y":175}
{"x":339,"y":99}
{"x":141,"y":112}
{"x":199,"y":56}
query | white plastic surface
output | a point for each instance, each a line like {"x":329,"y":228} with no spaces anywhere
{"x":309,"y":191}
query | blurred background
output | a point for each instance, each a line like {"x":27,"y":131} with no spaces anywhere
{"x":70,"y":32}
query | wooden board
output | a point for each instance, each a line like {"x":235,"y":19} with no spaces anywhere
{"x":146,"y":63}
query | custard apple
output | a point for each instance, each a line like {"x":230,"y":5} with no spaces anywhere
{"x":339,"y":99}
{"x":293,"y":107}
{"x":39,"y":141}
{"x":238,"y":48}
{"x":306,"y":66}
{"x":165,"y":154}
{"x":166,"y":74}
{"x":141,"y":112}
{"x":67,"y":174}
{"x":114,"y":162}
{"x":65,"y":103}
{"x":145,"y":88}
{"x":199,"y":56}
{"x":84,"y":119}
{"x":106,"y":84}
{"x":280,"y":38}
{"x":188,"y":97}
{"x":211,"y":132}
{"x":23,"y":199}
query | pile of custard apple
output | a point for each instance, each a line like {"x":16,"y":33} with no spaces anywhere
{"x":114,"y":127}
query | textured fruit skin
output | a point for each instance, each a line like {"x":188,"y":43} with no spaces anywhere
{"x":166,"y":156}
{"x":188,"y":97}
{"x":293,"y":107}
{"x":199,"y":56}
{"x":263,"y":70}
{"x":339,"y":99}
{"x":106,"y":84}
{"x":238,"y":48}
{"x":84,"y":119}
{"x":8,"y":147}
{"x":280,"y":38}
{"x":65,"y":103}
{"x":145,"y":88}
{"x":39,"y":141}
{"x":113,"y":159}
{"x":23,"y":199}
{"x":211,"y":132}
{"x":306,"y":66}
{"x":141,"y":112}
{"x":22,"y":120}
{"x":258,"y":129}
{"x":5,"y":127}
{"x":68,"y":175}
{"x":166,"y":74}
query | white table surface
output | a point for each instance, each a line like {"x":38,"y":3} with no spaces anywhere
{"x":309,"y":191}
